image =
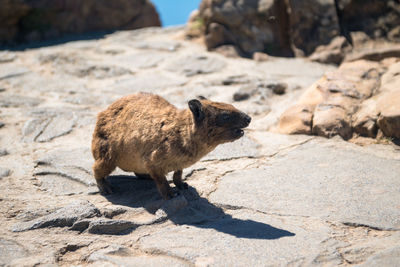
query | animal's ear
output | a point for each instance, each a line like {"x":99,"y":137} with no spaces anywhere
{"x":197,"y":110}
{"x":200,"y":97}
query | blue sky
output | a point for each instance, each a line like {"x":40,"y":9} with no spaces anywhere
{"x":175,"y":12}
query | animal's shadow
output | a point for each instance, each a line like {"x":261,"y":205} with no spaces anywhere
{"x":199,"y":212}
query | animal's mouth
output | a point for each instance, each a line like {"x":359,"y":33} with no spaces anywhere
{"x":237,"y":132}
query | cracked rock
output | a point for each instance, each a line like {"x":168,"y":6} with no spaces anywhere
{"x":110,"y":227}
{"x":47,"y":125}
{"x":244,"y":147}
{"x":63,"y":217}
{"x":340,"y":184}
{"x":65,"y":172}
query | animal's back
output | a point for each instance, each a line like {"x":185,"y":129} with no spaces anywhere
{"x":131,"y":127}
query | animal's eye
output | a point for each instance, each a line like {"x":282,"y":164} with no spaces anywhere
{"x":226,"y":117}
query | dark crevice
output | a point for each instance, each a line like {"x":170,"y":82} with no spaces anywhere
{"x":377,"y":228}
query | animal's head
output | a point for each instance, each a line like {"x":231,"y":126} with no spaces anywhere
{"x":219,"y":122}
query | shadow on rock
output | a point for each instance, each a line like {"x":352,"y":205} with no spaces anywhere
{"x":188,"y":208}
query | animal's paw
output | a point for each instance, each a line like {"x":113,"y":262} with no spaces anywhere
{"x":170,"y":194}
{"x":104,"y":187}
{"x":182,"y":186}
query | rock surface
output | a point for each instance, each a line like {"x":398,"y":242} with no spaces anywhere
{"x":24,"y":20}
{"x":361,"y":97}
{"x":320,"y":28}
{"x":266,"y":199}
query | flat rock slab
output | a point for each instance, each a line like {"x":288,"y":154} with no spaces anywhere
{"x":146,"y":83}
{"x":65,"y":172}
{"x":97,"y":71}
{"x":244,"y":147}
{"x":389,"y":257}
{"x":123,"y":256}
{"x":8,"y":71}
{"x":244,"y":238}
{"x":160,"y":45}
{"x":48,"y":124}
{"x":10,"y":250}
{"x":6,"y":56}
{"x":63,"y":217}
{"x":140,"y":60}
{"x":321,"y":180}
{"x":13,"y":101}
{"x":110,"y":227}
{"x":193,"y":65}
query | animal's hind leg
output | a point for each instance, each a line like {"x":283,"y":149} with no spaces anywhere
{"x":162,"y":185}
{"x":177,"y":178}
{"x":101,"y":170}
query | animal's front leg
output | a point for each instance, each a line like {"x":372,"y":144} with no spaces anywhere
{"x":162,"y":185}
{"x":177,"y":178}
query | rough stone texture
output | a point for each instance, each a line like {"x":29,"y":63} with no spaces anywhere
{"x":18,"y":101}
{"x":296,"y":120}
{"x":48,"y":124}
{"x":194,"y":65}
{"x":389,"y":257}
{"x":295,"y":27}
{"x":375,"y":18}
{"x":282,"y":199}
{"x":388,"y":104}
{"x":122,"y":256}
{"x":65,"y":171}
{"x":223,"y":241}
{"x":24,"y":20}
{"x":355,"y":98}
{"x":312,"y":23}
{"x":10,"y":250}
{"x":162,"y":46}
{"x":4,"y":172}
{"x":63,"y":217}
{"x":244,"y":147}
{"x":109,"y":227}
{"x":251,"y":26}
{"x":285,"y":187}
{"x":333,"y":53}
{"x":364,"y":120}
{"x":330,"y":120}
{"x":375,"y":54}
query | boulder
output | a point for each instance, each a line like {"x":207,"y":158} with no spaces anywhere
{"x":330,"y":120}
{"x":296,"y":120}
{"x":62,"y":217}
{"x":388,"y":106}
{"x":343,"y":102}
{"x":333,"y":53}
{"x":294,"y":27}
{"x":364,"y":120}
{"x":251,"y":26}
{"x":24,"y":20}
{"x":388,"y":102}
{"x":312,"y":23}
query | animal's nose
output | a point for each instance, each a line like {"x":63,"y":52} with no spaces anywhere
{"x":247,"y":119}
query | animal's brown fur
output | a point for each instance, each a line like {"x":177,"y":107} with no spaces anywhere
{"x":145,"y":134}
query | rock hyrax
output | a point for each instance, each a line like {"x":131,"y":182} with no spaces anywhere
{"x":145,"y":134}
